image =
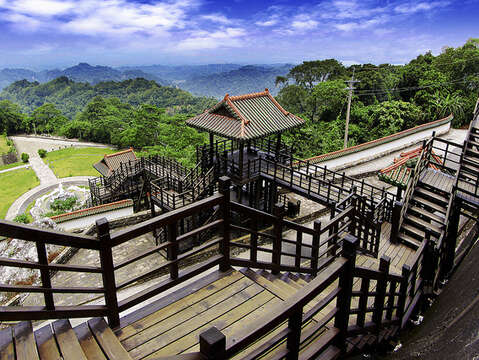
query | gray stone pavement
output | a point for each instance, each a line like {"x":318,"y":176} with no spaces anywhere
{"x":43,"y":172}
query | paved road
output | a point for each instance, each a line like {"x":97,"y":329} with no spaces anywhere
{"x":48,"y":180}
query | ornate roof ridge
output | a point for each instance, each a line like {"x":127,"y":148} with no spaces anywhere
{"x":120,"y":153}
{"x":249,"y":96}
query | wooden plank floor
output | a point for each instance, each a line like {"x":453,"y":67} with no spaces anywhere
{"x":438,"y":179}
{"x":229,"y":302}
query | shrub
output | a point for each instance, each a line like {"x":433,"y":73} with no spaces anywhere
{"x":42,"y":153}
{"x":22,"y":218}
{"x":64,"y":205}
{"x":25,"y":157}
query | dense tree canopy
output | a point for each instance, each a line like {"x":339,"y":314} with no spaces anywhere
{"x":151,"y":118}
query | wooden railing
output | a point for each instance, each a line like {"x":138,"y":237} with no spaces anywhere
{"x":172,"y":193}
{"x":328,"y":251}
{"x":400,"y":208}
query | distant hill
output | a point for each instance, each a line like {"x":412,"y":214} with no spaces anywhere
{"x":181,"y":73}
{"x":71,"y":97}
{"x":246,"y":79}
{"x":82,"y":72}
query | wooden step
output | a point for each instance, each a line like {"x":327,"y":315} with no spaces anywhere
{"x":67,"y":341}
{"x":470,"y":162}
{"x":433,"y":206}
{"x":413,"y":231}
{"x":409,"y":241}
{"x":432,"y":196}
{"x":423,"y":224}
{"x":88,"y":342}
{"x":25,"y":347}
{"x":7,"y":348}
{"x":423,"y":212}
{"x":106,"y":339}
{"x":472,"y":153}
{"x":316,"y":348}
{"x":466,"y":175}
{"x":472,"y":143}
{"x":46,"y":343}
{"x":331,"y":353}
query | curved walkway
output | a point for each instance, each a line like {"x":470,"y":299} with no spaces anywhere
{"x":20,"y":205}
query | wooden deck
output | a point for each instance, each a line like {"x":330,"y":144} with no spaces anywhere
{"x":230,"y":301}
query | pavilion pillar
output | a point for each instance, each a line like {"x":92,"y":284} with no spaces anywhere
{"x":211,"y":148}
{"x":241,"y":158}
{"x":278,"y":147}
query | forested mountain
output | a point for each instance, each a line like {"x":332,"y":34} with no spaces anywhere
{"x":145,"y":115}
{"x":71,"y":97}
{"x":82,"y":72}
{"x":244,"y":80}
{"x":181,"y":73}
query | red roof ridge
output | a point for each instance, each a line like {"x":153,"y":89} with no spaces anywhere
{"x":244,"y":121}
{"x":120,"y":153}
{"x":248,"y":96}
{"x":277,"y":104}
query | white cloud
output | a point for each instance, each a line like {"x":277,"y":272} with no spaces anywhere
{"x":414,"y":7}
{"x":108,"y":17}
{"x":229,"y":37}
{"x":217,"y":18}
{"x":270,"y":22}
{"x":39,"y":7}
{"x":361,"y":25}
{"x":304,"y":25}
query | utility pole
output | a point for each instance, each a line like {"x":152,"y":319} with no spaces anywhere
{"x":348,"y":111}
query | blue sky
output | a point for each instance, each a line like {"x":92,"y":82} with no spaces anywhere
{"x":49,"y":33}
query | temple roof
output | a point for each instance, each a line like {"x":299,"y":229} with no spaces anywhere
{"x":112,"y":162}
{"x":246,"y":117}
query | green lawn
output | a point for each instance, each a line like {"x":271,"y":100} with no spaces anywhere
{"x":3,"y":144}
{"x":15,"y":183}
{"x":75,"y":161}
{"x":5,"y":167}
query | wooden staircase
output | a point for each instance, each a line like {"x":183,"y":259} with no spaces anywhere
{"x":92,"y":340}
{"x":426,"y":212}
{"x":468,"y":177}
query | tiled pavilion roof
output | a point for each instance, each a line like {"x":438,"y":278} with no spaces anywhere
{"x":246,"y":117}
{"x":111,"y":162}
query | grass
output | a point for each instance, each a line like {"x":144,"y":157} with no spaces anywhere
{"x":9,"y":166}
{"x":15,"y":183}
{"x":3,"y":144}
{"x":75,"y":161}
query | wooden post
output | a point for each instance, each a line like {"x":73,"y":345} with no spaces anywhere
{"x":278,"y":147}
{"x":341,"y":321}
{"x":241,"y":159}
{"x":211,"y":148}
{"x":451,"y":238}
{"x":153,"y":214}
{"x":405,"y":273}
{"x":428,"y":268}
{"x":45,"y":274}
{"x":399,"y":193}
{"x":384,"y":264}
{"x":278,"y":212}
{"x":332,"y":231}
{"x":397,"y":208}
{"x":108,"y":272}
{"x":315,"y":247}
{"x":172,"y":250}
{"x":254,"y":240}
{"x":294,"y":337}
{"x":213,"y":344}
{"x":224,"y":189}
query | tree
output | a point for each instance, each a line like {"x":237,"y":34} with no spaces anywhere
{"x":11,"y":119}
{"x":47,"y":119}
{"x":310,"y":73}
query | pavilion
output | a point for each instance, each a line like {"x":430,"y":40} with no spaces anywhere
{"x":245,"y":119}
